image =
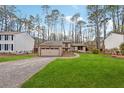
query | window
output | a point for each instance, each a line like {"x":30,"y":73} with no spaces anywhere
{"x":6,"y":37}
{"x":0,"y":47}
{"x":6,"y":47}
{"x":1,"y":37}
{"x":80,"y":47}
{"x":12,"y":47}
{"x":11,"y":37}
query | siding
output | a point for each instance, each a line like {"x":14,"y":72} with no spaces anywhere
{"x":23,"y":42}
{"x":113,"y":41}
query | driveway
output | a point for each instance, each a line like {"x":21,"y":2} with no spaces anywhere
{"x":13,"y":74}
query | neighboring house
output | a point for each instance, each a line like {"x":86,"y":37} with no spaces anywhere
{"x":16,"y":42}
{"x":57,"y":48}
{"x":113,"y":41}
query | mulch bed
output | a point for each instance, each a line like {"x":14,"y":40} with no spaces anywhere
{"x":6,"y":55}
{"x":118,"y":56}
{"x":68,"y":54}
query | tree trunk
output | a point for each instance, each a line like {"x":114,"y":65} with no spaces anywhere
{"x":97,"y":37}
{"x":118,"y":19}
{"x":114,"y":24}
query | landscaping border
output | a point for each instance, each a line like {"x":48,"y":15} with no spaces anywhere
{"x":76,"y":56}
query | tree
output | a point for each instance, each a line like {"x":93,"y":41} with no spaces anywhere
{"x":95,"y":16}
{"x":7,"y":14}
{"x":80,"y":24}
{"x":63,"y":34}
{"x":112,"y":12}
{"x":122,"y":18}
{"x":30,"y":24}
{"x":49,"y":24}
{"x":43,"y":29}
{"x":74,"y":19}
{"x":72,"y":29}
{"x":37,"y":26}
{"x":45,"y":9}
{"x":55,"y":16}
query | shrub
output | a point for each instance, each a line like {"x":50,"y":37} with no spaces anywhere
{"x":122,"y":52}
{"x":122,"y":46}
{"x":115,"y":50}
{"x":95,"y":51}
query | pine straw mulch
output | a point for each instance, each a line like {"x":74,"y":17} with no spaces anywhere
{"x":118,"y":56}
{"x":68,"y":54}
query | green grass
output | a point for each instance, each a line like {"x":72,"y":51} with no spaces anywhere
{"x":14,"y":58}
{"x":88,"y":71}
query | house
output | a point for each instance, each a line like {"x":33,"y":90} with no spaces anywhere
{"x":66,"y":45}
{"x":57,"y":48}
{"x":16,"y":42}
{"x":79,"y":47}
{"x":50,"y":48}
{"x":114,"y":40}
{"x":90,"y":45}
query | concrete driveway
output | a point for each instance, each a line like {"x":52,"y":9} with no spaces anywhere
{"x":13,"y":74}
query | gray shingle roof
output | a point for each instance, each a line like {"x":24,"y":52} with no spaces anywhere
{"x":51,"y":43}
{"x":9,"y":33}
{"x":78,"y":44}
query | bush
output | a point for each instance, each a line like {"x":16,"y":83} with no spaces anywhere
{"x":122,"y":52}
{"x":95,"y":51}
{"x":116,"y":50}
{"x":122,"y":46}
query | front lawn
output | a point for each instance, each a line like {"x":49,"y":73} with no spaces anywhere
{"x":88,"y":71}
{"x":14,"y":57}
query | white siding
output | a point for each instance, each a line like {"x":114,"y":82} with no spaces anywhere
{"x":113,"y":41}
{"x":23,"y":43}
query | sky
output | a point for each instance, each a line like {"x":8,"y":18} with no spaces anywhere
{"x":67,"y":10}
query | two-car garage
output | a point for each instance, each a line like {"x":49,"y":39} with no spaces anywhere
{"x":50,"y":49}
{"x":50,"y":52}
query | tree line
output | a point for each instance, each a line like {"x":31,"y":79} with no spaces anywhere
{"x":100,"y":15}
{"x":47,"y":25}
{"x":51,"y":24}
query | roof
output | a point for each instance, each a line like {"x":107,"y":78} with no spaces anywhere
{"x":51,"y":43}
{"x":119,"y":34}
{"x":78,"y":44}
{"x":9,"y":33}
{"x":66,"y":41}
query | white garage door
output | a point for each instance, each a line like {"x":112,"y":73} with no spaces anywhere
{"x":50,"y":52}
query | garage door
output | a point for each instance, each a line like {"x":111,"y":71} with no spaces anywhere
{"x":50,"y":52}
